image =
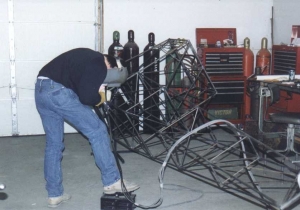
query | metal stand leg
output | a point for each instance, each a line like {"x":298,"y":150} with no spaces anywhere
{"x":263,"y":92}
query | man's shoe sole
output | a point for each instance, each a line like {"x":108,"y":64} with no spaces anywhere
{"x":56,"y":205}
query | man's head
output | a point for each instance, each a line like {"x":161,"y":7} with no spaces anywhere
{"x":110,"y":61}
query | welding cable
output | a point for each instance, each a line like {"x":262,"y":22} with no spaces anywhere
{"x":180,"y":187}
{"x":127,"y":194}
{"x":161,"y":172}
{"x":162,"y":169}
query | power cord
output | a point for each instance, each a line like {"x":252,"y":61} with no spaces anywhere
{"x":179,"y":187}
{"x":162,"y":169}
{"x":125,"y":192}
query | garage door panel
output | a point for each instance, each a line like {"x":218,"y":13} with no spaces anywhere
{"x":29,"y":120}
{"x":4,"y":62}
{"x":39,"y":31}
{"x":4,"y":46}
{"x":4,"y":81}
{"x":26,"y":82}
{"x":69,"y":128}
{"x":25,"y":93}
{"x":50,"y":40}
{"x":3,"y":11}
{"x":54,"y":10}
{"x":5,"y":119}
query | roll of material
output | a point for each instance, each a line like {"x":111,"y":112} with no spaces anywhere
{"x":116,"y":76}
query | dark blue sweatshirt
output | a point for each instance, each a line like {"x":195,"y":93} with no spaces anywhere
{"x":82,"y":70}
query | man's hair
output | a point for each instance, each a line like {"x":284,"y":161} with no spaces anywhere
{"x":111,"y":60}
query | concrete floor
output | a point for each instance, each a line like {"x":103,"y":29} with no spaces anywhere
{"x":21,"y":170}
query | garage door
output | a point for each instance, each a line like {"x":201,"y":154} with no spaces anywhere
{"x":32,"y":33}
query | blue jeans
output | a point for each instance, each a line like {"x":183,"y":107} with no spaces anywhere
{"x":56,"y":104}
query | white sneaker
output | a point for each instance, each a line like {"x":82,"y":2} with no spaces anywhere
{"x":116,"y":187}
{"x":56,"y":201}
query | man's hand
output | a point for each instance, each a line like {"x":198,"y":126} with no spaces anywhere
{"x":105,"y":94}
{"x":102,"y":88}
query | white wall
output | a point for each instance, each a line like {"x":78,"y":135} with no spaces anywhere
{"x":42,"y":30}
{"x":286,"y":14}
{"x":5,"y":102}
{"x":178,"y":19}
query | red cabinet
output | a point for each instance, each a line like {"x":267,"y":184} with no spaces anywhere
{"x":225,"y":66}
{"x":228,"y":72}
{"x":284,"y":59}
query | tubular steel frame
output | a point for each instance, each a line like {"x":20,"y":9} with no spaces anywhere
{"x":181,"y":137}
